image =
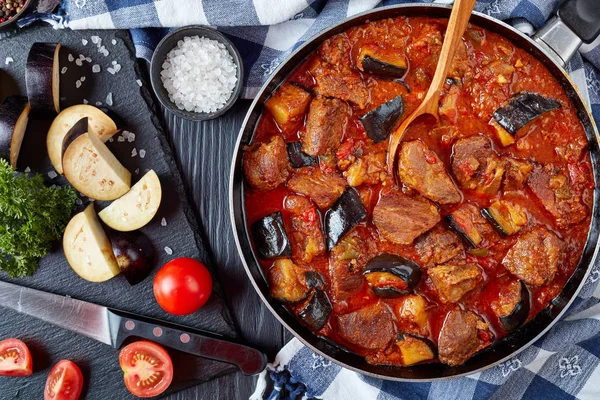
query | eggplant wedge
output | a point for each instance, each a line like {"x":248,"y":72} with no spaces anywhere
{"x":514,"y":310}
{"x":87,"y":248}
{"x":137,"y":207}
{"x":134,"y":254}
{"x":316,"y":310}
{"x":391,"y":276}
{"x":522,"y":108}
{"x":377,"y":62}
{"x":415,"y":349}
{"x":298,"y":158}
{"x":314,"y":280}
{"x":285,"y":282}
{"x":288,"y":104}
{"x":345,"y":213}
{"x":92,"y":169}
{"x":14,"y":115}
{"x":98,"y":122}
{"x":379,"y":122}
{"x":505,"y":217}
{"x":270,"y":238}
{"x":42,"y":78}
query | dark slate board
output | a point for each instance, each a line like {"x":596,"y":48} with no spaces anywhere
{"x":134,"y":106}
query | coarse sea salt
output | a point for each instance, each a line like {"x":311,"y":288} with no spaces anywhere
{"x":199,"y":74}
{"x":168,"y":250}
{"x":8,"y":60}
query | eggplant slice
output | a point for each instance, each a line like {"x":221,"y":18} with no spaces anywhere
{"x":390,"y":275}
{"x":134,"y":254}
{"x":388,"y":65}
{"x":42,"y":78}
{"x":298,"y":158}
{"x":314,"y":280}
{"x":522,"y":108}
{"x":14,"y":115}
{"x":270,"y":238}
{"x":347,"y":211}
{"x":379,"y":122}
{"x":506,"y":218}
{"x":316,"y":310}
{"x":415,"y":349}
{"x":520,"y":311}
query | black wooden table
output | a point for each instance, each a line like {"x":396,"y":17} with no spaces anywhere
{"x":203,"y":152}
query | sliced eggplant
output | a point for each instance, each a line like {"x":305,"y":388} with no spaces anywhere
{"x":390,"y":275}
{"x":87,"y":248}
{"x":285,"y":282}
{"x":14,"y":115}
{"x":515,"y":312}
{"x":79,"y":128}
{"x":92,"y":169}
{"x":137,"y":207}
{"x":315,"y":311}
{"x":314,"y":280}
{"x":288,"y":104}
{"x":270,"y":238}
{"x":345,"y":213}
{"x":42,"y":77}
{"x":134,"y":254}
{"x":379,"y":122}
{"x":470,"y":225}
{"x":298,"y":158}
{"x":377,"y":62}
{"x":505,"y":217}
{"x":522,"y":108}
{"x":415,"y":349}
{"x":98,"y":122}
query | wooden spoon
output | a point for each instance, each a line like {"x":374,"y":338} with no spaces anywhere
{"x":459,"y":18}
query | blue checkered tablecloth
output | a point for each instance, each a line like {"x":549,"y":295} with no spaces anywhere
{"x":564,"y":364}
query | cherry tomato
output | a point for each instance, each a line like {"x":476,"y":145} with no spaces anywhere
{"x":64,"y":382}
{"x":148,"y":368}
{"x":15,"y":358}
{"x":182,"y":286}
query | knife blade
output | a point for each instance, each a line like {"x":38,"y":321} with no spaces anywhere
{"x":113,"y":327}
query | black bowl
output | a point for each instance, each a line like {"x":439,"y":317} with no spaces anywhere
{"x":167,"y":44}
{"x":16,"y":17}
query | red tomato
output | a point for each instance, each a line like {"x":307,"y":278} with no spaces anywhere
{"x":15,"y":358}
{"x":182,"y":286}
{"x":148,"y":368}
{"x":64,"y":382}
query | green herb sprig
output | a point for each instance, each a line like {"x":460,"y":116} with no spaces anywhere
{"x":32,"y":216}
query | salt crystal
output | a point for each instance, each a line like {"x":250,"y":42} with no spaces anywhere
{"x":95,"y":68}
{"x":142,"y":153}
{"x":111,"y":70}
{"x":168,"y":250}
{"x":120,"y":139}
{"x":139,"y":82}
{"x":133,"y":152}
{"x":78,"y":62}
{"x":163,"y":222}
{"x":98,"y":104}
{"x":82,"y":79}
{"x":114,"y":63}
{"x":111,"y":140}
{"x":27,"y":170}
{"x":79,"y":202}
{"x":9,"y":60}
{"x":70,"y":58}
{"x":113,"y":42}
{"x":109,"y":99}
{"x":85,"y":101}
{"x":131,"y":137}
{"x":84,"y":42}
{"x":117,"y":68}
{"x":137,"y":171}
{"x":78,"y":84}
{"x":52,"y":174}
{"x":88,"y":59}
{"x":95,"y":39}
{"x":63,"y":70}
{"x":101,"y":49}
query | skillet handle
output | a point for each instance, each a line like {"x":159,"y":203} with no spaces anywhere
{"x":577,"y":22}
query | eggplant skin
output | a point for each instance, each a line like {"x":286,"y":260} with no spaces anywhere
{"x":10,"y":111}
{"x":456,"y":227}
{"x":314,"y":280}
{"x":134,"y":254}
{"x":270,"y":238}
{"x":345,"y":213}
{"x":520,"y":313}
{"x":379,"y":122}
{"x":40,"y":73}
{"x":316,"y":310}
{"x":372,"y":65}
{"x":402,"y":268}
{"x":522,"y":108}
{"x":487,"y":214}
{"x":298,"y":158}
{"x":76,"y":130}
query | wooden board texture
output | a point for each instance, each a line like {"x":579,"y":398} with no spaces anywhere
{"x":135,"y":108}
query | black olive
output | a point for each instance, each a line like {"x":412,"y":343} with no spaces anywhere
{"x":316,"y":310}
{"x":390,"y":275}
{"x":520,"y":311}
{"x":134,"y":253}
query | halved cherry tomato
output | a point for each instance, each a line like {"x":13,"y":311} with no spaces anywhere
{"x":64,"y":382}
{"x":15,"y":358}
{"x":182,"y":286}
{"x":148,"y":368}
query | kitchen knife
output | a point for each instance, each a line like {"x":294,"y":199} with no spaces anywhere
{"x":112,"y":327}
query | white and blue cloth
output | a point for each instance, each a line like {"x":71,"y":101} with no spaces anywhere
{"x":564,"y":364}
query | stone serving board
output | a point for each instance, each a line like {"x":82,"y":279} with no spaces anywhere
{"x":135,"y":110}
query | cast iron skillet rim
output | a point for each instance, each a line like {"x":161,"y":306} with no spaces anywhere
{"x":236,"y":169}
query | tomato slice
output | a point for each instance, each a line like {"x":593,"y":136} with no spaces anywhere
{"x":148,"y":368}
{"x":15,"y":358}
{"x":64,"y":382}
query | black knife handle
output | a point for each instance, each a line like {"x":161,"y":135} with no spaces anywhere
{"x":250,"y":361}
{"x":582,"y":17}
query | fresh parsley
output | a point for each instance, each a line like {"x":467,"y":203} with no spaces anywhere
{"x":32,"y":216}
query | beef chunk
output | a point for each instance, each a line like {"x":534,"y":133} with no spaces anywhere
{"x":347,"y":259}
{"x":438,"y":246}
{"x":401,"y":218}
{"x":553,"y":190}
{"x":422,"y":170}
{"x":336,"y":51}
{"x":448,"y":106}
{"x":476,"y":165}
{"x":468,"y":222}
{"x":517,"y":172}
{"x":325,"y":126}
{"x":371,"y":327}
{"x":452,"y":282}
{"x":345,"y":85}
{"x":323,"y":188}
{"x":286,"y":281}
{"x":266,"y":165}
{"x":534,"y":258}
{"x":464,"y":333}
{"x":369,"y":169}
{"x":305,"y":234}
